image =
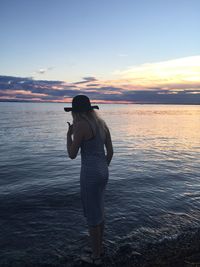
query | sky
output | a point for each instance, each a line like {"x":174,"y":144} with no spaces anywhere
{"x":145,"y":51}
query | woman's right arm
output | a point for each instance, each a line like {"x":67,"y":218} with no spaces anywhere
{"x":109,"y":147}
{"x":74,"y":144}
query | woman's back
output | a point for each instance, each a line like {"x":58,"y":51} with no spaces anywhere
{"x":92,"y":147}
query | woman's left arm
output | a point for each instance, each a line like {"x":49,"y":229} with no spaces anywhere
{"x":74,"y":144}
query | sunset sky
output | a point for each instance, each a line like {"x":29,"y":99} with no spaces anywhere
{"x":145,"y":51}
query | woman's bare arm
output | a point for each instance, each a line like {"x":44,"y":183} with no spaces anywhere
{"x":74,"y":144}
{"x":109,"y":147}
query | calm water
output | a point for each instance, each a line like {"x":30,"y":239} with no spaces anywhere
{"x":153,"y":191}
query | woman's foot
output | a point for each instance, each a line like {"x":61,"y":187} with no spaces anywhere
{"x":89,"y":251}
{"x":91,"y":260}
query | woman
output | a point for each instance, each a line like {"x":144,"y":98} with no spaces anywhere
{"x":91,"y":134}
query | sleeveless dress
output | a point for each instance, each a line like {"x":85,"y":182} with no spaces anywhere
{"x":93,"y":178}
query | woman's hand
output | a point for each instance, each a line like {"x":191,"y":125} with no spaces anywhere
{"x":70,"y":129}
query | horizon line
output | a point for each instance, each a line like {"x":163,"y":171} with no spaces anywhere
{"x":107,"y":103}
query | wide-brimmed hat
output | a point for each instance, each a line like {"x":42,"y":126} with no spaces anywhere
{"x":80,"y":103}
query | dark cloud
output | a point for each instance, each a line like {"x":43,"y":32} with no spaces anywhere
{"x":6,"y":79}
{"x":93,"y":84}
{"x":58,"y":90}
{"x":89,"y":79}
{"x":86,"y":80}
{"x":10,"y":83}
{"x":162,"y":97}
{"x":157,"y":96}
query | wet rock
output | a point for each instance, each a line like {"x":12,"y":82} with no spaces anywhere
{"x":182,"y":251}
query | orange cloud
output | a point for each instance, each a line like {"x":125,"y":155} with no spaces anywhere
{"x":182,"y":72}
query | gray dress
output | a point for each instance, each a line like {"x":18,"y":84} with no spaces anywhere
{"x":93,"y":178}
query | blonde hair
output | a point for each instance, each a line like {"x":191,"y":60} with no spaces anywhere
{"x":93,"y":119}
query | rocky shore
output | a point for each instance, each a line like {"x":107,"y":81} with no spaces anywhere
{"x":182,"y":251}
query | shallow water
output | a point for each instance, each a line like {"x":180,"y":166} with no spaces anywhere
{"x":153,"y":189}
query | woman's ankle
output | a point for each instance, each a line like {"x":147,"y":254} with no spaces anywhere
{"x":95,"y":256}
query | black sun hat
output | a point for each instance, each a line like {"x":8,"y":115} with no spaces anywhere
{"x":80,"y":103}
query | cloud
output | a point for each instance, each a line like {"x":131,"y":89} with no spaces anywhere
{"x":43,"y":70}
{"x":93,"y":84}
{"x":174,"y":81}
{"x":180,"y":71}
{"x":87,"y":80}
{"x":90,"y":79}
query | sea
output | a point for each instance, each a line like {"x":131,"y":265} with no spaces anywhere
{"x":153,"y":191}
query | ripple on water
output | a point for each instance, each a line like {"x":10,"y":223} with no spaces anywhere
{"x":153,"y":189}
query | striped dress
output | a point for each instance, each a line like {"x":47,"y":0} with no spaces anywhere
{"x":93,"y":179}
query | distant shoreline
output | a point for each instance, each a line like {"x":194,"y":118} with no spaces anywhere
{"x":131,"y":103}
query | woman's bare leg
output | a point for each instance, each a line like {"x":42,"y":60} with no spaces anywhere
{"x":102,"y":233}
{"x":95,"y":237}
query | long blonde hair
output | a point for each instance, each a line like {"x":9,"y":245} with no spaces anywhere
{"x":93,"y":119}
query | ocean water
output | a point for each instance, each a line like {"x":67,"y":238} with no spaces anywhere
{"x":153,"y":190}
